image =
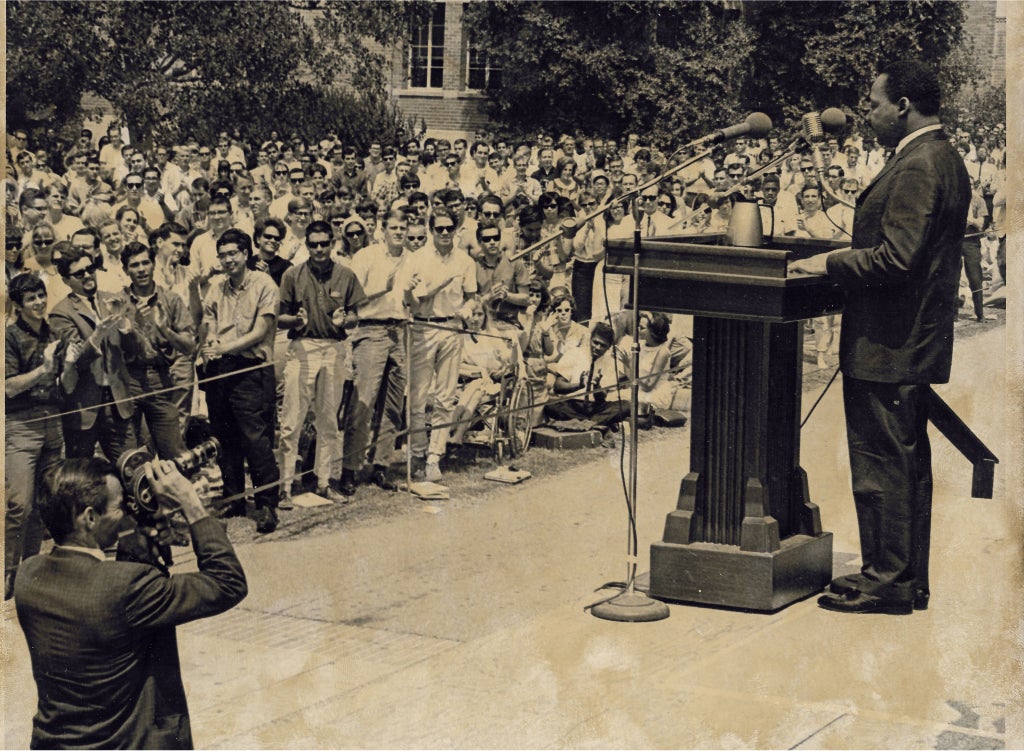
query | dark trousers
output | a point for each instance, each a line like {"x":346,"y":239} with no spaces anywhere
{"x":972,"y":268}
{"x":603,"y":414}
{"x":113,"y":432}
{"x":891,"y":466}
{"x":583,"y":288}
{"x":159,"y":410}
{"x":242,"y":413}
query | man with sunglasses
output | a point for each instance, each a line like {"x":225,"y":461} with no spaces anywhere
{"x":378,"y":354}
{"x":296,"y":179}
{"x":317,"y":296}
{"x":437,"y":282}
{"x":503,"y":285}
{"x":99,"y":407}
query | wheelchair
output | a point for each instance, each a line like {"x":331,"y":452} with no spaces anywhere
{"x":503,"y":420}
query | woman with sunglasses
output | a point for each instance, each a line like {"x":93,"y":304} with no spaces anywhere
{"x":535,"y":346}
{"x":560,"y":332}
{"x":38,"y":258}
{"x":355,"y":236}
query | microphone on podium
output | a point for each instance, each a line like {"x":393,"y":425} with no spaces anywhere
{"x":757,"y":125}
{"x":815,"y":125}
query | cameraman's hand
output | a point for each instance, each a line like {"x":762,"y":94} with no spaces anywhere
{"x":173,"y":490}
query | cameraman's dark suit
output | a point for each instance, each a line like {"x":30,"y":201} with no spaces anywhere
{"x":901,"y":280}
{"x":103,"y":645}
{"x":74,"y":318}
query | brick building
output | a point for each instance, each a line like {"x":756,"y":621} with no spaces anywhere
{"x":441,"y":76}
{"x":986,"y":29}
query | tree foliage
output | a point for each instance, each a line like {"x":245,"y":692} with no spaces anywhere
{"x":658,"y":67}
{"x":680,"y":69}
{"x":177,"y":68}
{"x":817,"y":54}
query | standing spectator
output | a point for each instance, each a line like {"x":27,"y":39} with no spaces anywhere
{"x":99,"y":406}
{"x":237,"y":336}
{"x":316,"y":298}
{"x":36,"y":373}
{"x":437,"y":281}
{"x":163,"y":342}
{"x":378,"y":353}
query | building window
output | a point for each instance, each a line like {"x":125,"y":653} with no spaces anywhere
{"x":426,"y":52}
{"x":482,"y":72}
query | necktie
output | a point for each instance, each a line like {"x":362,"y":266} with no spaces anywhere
{"x":650,"y":226}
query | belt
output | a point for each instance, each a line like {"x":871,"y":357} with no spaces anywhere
{"x":380,"y":322}
{"x":438,"y":319}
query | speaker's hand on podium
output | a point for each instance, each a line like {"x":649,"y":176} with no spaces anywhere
{"x":814,"y":265}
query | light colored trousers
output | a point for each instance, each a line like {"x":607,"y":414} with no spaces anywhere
{"x":314,"y":373}
{"x":435,"y":357}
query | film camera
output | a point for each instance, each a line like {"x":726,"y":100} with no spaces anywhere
{"x":139,"y":500}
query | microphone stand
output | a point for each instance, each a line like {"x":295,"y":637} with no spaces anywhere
{"x":632,"y":606}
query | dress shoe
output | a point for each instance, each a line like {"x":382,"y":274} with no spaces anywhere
{"x":230,"y":510}
{"x":9,"y":584}
{"x":266,"y":520}
{"x":332,"y":495}
{"x":858,"y":602}
{"x":379,"y":477}
{"x":843,"y":584}
{"x":347,"y":483}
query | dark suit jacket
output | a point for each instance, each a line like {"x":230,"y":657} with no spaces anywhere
{"x":902,"y":273}
{"x":103,"y":645}
{"x":72,"y":317}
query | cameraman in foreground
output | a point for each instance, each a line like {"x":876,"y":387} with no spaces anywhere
{"x":101,"y":633}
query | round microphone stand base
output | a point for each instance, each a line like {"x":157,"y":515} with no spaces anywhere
{"x":631,"y":607}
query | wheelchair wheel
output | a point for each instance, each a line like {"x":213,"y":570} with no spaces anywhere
{"x":519,"y":421}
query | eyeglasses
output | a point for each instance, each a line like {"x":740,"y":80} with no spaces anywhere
{"x":133,"y":186}
{"x":280,"y":172}
{"x":490,"y":214}
{"x":223,"y":254}
{"x":490,"y":238}
{"x":315,"y":245}
{"x":444,"y":229}
{"x":451,"y":164}
{"x":83,"y":272}
{"x":588,"y":205}
{"x":416,"y":238}
{"x":395,"y":228}
{"x":355,"y":233}
{"x":665,"y":204}
{"x":647,"y":199}
{"x":298,"y":180}
{"x":43,"y":243}
{"x":13,"y":245}
{"x":205,"y":153}
{"x":850,"y":192}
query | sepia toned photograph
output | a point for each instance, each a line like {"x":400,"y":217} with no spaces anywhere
{"x":444,"y":374}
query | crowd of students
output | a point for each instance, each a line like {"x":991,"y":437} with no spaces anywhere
{"x":301,"y":277}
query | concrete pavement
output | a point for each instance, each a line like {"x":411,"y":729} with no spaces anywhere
{"x":465,"y":628}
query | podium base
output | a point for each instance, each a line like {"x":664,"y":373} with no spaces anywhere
{"x":631,"y":607}
{"x":718,"y":574}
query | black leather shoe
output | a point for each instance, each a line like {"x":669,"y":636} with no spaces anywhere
{"x":843,"y":584}
{"x":379,"y":477}
{"x":347,"y":483}
{"x":858,"y":602}
{"x":266,"y":520}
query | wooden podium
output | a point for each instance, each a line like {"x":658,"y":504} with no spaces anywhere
{"x":744,"y":533}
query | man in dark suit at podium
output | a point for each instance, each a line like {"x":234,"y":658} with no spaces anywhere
{"x":900,"y":277}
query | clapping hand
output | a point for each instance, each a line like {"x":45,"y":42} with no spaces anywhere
{"x":338,"y":317}
{"x":49,"y":353}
